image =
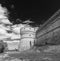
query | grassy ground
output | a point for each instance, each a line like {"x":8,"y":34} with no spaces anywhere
{"x":45,"y":53}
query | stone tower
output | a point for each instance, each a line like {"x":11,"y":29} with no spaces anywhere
{"x":27,"y":37}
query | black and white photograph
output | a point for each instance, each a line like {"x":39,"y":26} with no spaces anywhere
{"x":29,"y":30}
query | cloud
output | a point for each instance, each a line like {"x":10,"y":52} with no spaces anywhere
{"x":3,"y":20}
{"x":28,"y":21}
{"x":15,"y":36}
{"x":3,"y":17}
{"x":16,"y":28}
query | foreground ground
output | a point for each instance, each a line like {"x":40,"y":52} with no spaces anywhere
{"x":45,"y":53}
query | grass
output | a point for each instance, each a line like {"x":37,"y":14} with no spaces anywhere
{"x":33,"y":55}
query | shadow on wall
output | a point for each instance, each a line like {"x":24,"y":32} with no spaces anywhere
{"x":53,"y":39}
{"x":3,"y":46}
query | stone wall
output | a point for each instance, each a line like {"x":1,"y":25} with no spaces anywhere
{"x":50,"y":33}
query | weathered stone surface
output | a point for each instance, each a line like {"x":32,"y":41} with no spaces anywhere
{"x":49,"y":33}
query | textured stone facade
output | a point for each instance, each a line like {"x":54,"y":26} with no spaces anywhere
{"x":27,"y":37}
{"x":49,"y":32}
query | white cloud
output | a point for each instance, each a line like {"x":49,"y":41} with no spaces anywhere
{"x":3,"y":17}
{"x":16,"y":28}
{"x":28,"y":21}
{"x":15,"y":36}
{"x":3,"y":20}
{"x":3,"y":10}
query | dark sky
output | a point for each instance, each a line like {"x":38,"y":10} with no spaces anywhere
{"x":38,"y":11}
